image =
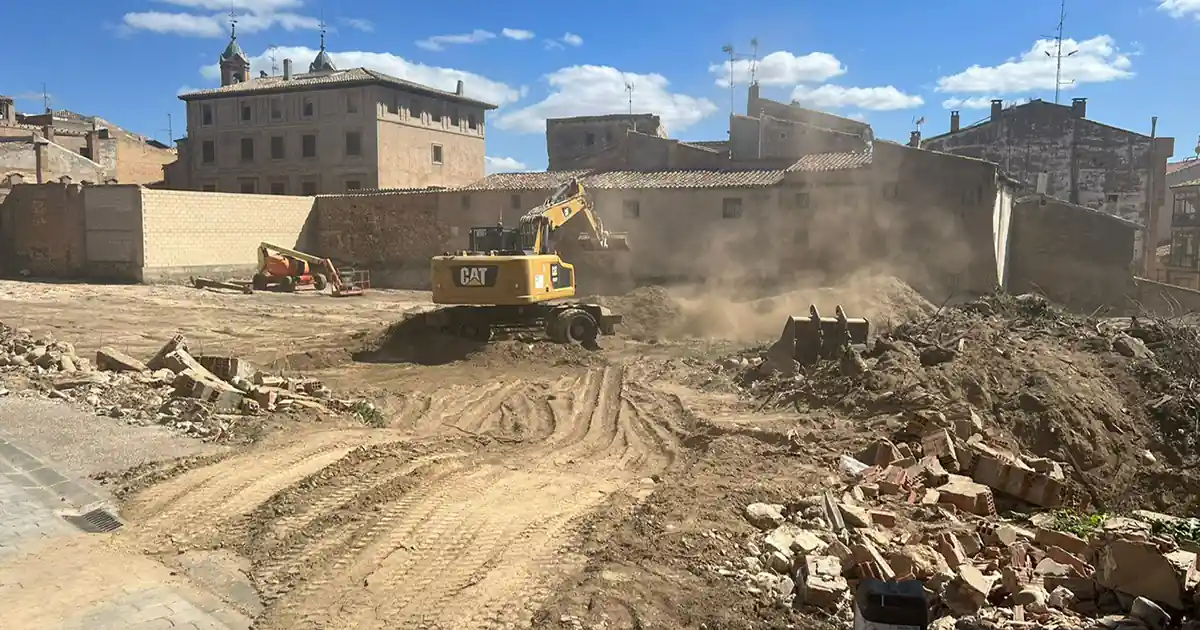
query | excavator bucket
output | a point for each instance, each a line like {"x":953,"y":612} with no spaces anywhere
{"x":809,"y":339}
{"x":615,"y":242}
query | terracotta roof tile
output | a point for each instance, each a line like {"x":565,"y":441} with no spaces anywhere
{"x":630,"y":179}
{"x":818,"y":162}
{"x":1179,"y":166}
{"x":322,"y":79}
{"x":1194,"y":182}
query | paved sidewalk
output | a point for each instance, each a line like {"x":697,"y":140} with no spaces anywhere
{"x":54,"y":575}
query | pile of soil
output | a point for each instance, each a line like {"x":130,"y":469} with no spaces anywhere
{"x":412,"y":340}
{"x":648,"y":313}
{"x":1079,"y":390}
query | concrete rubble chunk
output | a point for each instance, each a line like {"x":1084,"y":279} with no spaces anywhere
{"x":969,"y":591}
{"x":871,"y":563}
{"x":761,"y":515}
{"x":854,"y":516}
{"x":968,"y":496}
{"x":158,"y":361}
{"x":952,"y":550}
{"x":880,"y":453}
{"x":1150,"y":614}
{"x":228,"y":369}
{"x":1046,"y":537}
{"x":1062,"y":598}
{"x":223,"y":397}
{"x":918,"y":561}
{"x":821,"y":583}
{"x":1140,"y":569}
{"x":791,"y":539}
{"x":1024,"y":483}
{"x":111,"y":360}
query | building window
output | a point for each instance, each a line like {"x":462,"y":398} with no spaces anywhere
{"x":803,"y":201}
{"x":437,"y":154}
{"x":731,"y":208}
{"x":435,"y":112}
{"x":308,"y":188}
{"x":465,"y":202}
{"x":414,"y":110}
{"x":245,"y":112}
{"x":351,"y":103}
{"x":353,"y":143}
{"x":278,"y":188}
{"x":276,"y":109}
{"x":472,"y":122}
{"x":308,"y":145}
{"x":206,"y":114}
{"x":1110,"y":198}
{"x":891,"y":190}
{"x":353,"y":185}
{"x":209,"y":188}
{"x":454,"y":117}
{"x":632,"y":209}
{"x":247,"y":149}
{"x":589,"y":139}
{"x":393,"y":105}
{"x":276,"y":147}
{"x":515,"y":202}
{"x":309,"y":108}
{"x":248,"y":186}
{"x":208,"y":152}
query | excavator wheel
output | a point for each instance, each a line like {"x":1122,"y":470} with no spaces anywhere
{"x":475,"y":331}
{"x":320,"y":281}
{"x":576,"y":327}
{"x":260,"y":282}
{"x":287,"y":284}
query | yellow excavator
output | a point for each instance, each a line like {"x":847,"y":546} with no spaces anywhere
{"x":514,"y":279}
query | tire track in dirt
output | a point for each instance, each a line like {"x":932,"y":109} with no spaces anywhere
{"x":478,"y":545}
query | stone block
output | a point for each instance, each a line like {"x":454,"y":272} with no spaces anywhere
{"x":968,"y":496}
{"x":113,"y":360}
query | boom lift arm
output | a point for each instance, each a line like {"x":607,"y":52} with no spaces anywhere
{"x":570,"y":200}
{"x":274,"y":260}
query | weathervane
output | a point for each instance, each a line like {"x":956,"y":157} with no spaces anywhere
{"x":322,"y":25}
{"x":232,"y":25}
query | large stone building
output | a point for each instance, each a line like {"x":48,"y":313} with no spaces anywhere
{"x":1181,"y":265}
{"x":326,"y":131}
{"x":1077,"y":159}
{"x":62,"y":144}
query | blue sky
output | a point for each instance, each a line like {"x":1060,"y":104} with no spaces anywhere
{"x":885,"y":61}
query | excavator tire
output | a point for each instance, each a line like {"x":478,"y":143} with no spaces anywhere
{"x":287,"y":284}
{"x":260,"y":282}
{"x":475,"y":331}
{"x":575,"y":326}
{"x":320,"y":281}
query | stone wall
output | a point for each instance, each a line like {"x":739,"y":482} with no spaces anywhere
{"x":41,"y":231}
{"x":20,"y":155}
{"x":188,"y":233}
{"x":1073,"y":255}
{"x":392,"y":234}
{"x":112,"y":226}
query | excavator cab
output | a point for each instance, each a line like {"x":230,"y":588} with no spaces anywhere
{"x":495,"y":238}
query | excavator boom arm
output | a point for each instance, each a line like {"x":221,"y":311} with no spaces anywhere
{"x":562,"y":208}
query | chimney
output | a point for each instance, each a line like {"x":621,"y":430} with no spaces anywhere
{"x":1079,"y":108}
{"x":458,"y":89}
{"x":40,"y":159}
{"x":287,"y":69}
{"x":914,"y":139}
{"x":997,"y":108}
{"x":955,"y":121}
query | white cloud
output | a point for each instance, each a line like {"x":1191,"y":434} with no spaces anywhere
{"x":1096,"y":60}
{"x":504,"y":165}
{"x":439,"y":42}
{"x":518,"y":34}
{"x":360,"y":24}
{"x":572,"y":39}
{"x":1180,"y":8}
{"x":883,"y":98}
{"x":973,"y":102}
{"x":252,"y":16}
{"x":475,"y":86}
{"x":598,"y":90}
{"x":859,"y":116}
{"x":781,"y":68}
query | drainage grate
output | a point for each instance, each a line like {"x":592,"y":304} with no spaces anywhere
{"x":95,"y":522}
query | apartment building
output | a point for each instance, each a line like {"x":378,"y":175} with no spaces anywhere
{"x":326,"y":131}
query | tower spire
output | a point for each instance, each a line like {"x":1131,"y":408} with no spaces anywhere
{"x":322,"y":25}
{"x":232,"y":25}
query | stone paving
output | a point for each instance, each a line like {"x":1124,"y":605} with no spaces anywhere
{"x":54,"y":575}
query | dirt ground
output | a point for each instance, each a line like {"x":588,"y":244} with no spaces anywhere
{"x":524,"y":484}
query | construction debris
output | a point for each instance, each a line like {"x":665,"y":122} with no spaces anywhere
{"x":203,"y":396}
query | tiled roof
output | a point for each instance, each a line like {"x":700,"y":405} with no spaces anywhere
{"x":352,"y":76}
{"x":1193,"y":182}
{"x":818,"y":162}
{"x":630,"y":179}
{"x":699,"y":146}
{"x":1179,"y":166}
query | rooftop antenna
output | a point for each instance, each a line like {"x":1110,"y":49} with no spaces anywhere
{"x":170,"y":131}
{"x":1058,"y":55}
{"x":754,"y":58}
{"x":274,"y":64}
{"x":629,"y":90}
{"x":46,"y":100}
{"x":728,"y":49}
{"x":322,"y":25}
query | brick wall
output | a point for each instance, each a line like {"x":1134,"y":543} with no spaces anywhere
{"x":112,"y":226}
{"x":195,"y":233}
{"x":1074,"y":255}
{"x":140,"y":163}
{"x":41,"y":230}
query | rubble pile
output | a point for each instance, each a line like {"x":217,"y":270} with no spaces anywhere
{"x":202,"y":396}
{"x":930,"y":509}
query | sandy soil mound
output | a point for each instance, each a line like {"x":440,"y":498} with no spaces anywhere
{"x":412,"y":341}
{"x":656,"y":313}
{"x":1047,"y":383}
